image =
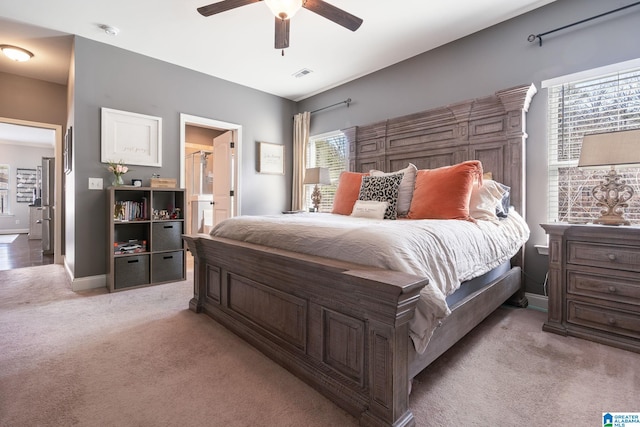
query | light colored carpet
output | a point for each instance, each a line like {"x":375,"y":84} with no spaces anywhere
{"x":8,"y":238}
{"x":140,"y":358}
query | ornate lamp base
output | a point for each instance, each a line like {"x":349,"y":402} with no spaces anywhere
{"x":316,"y":196}
{"x":612,"y":196}
{"x":611,"y":220}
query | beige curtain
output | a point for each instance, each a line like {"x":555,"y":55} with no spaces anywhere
{"x":301,"y":123}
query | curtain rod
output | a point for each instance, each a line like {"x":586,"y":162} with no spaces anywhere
{"x":533,"y":37}
{"x":346,"y":101}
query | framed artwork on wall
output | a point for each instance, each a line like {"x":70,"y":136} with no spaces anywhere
{"x":134,"y":139}
{"x":270,"y":158}
{"x":25,"y":185}
{"x":68,"y":151}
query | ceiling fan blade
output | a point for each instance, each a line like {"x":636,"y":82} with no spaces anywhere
{"x":333,"y":13}
{"x":223,"y":6}
{"x":282,"y":33}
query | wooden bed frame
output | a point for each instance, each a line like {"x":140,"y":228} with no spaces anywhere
{"x":343,"y":327}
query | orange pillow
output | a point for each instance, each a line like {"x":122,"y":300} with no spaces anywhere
{"x":347,"y":192}
{"x":444,"y":193}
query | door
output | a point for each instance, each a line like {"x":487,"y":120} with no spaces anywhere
{"x":223,"y":157}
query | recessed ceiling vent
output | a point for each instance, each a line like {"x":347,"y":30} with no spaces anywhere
{"x":302,"y":73}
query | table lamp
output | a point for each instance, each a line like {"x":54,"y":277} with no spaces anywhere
{"x":611,"y":149}
{"x":317,"y":176}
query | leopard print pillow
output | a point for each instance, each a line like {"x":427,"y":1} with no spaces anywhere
{"x":382,"y":189}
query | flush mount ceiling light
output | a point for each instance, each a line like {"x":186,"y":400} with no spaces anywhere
{"x":16,"y":53}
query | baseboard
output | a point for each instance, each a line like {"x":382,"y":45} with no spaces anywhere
{"x":85,"y":283}
{"x":537,"y":301}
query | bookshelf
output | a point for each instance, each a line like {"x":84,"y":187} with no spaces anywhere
{"x":145,"y":227}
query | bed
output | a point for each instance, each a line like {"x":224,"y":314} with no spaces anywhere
{"x":345,"y":327}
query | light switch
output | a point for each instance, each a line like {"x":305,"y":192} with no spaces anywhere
{"x":95,"y":183}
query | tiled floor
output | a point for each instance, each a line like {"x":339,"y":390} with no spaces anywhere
{"x":22,"y":252}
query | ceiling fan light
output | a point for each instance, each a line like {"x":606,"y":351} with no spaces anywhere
{"x":284,"y":9}
{"x":16,"y":53}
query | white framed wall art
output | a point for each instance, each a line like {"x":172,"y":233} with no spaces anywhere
{"x":134,"y":139}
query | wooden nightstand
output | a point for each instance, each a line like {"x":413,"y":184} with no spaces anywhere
{"x":594,"y":283}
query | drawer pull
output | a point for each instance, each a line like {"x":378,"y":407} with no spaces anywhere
{"x":612,"y":321}
{"x":168,"y":257}
{"x":612,"y":257}
{"x":171,"y":226}
{"x":131,"y":261}
{"x":612,"y":289}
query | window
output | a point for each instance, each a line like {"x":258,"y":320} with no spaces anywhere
{"x":607,"y":102}
{"x":4,"y":190}
{"x":329,"y":150}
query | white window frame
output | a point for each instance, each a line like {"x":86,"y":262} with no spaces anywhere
{"x":579,"y":198}
{"x":5,"y":188}
{"x":327,"y":191}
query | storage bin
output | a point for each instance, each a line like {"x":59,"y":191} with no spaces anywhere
{"x":168,"y":266}
{"x":166,"y":236}
{"x":131,"y":271}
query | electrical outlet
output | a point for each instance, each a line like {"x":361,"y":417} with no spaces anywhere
{"x":95,"y":183}
{"x":17,"y":221}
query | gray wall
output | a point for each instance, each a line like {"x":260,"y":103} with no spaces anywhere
{"x":110,"y":77}
{"x":497,"y":58}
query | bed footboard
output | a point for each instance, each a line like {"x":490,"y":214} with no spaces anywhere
{"x":341,"y":327}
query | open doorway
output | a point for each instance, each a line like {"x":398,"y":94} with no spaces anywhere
{"x":30,"y":142}
{"x":209,"y":171}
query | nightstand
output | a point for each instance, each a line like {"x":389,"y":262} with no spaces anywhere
{"x":594,"y":283}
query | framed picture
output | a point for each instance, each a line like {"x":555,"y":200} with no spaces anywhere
{"x":68,"y":151}
{"x":25,"y":185}
{"x":134,"y":139}
{"x":270,"y":158}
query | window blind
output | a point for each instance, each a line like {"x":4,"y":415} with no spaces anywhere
{"x":330,"y":151}
{"x":604,"y":103}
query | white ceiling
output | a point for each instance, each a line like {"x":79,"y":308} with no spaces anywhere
{"x":237,"y":45}
{"x":27,"y":135}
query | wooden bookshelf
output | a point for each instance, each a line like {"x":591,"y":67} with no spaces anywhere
{"x":144,"y":232}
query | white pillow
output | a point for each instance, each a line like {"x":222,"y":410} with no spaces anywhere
{"x":369,"y":209}
{"x":485,"y":199}
{"x":405,"y":190}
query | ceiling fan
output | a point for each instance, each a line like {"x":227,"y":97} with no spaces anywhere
{"x":284,"y":11}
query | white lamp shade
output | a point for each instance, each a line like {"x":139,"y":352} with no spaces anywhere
{"x":611,"y":148}
{"x":284,"y":9}
{"x":317,"y":176}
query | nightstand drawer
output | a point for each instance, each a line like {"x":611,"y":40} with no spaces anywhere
{"x":606,"y":287}
{"x":607,"y":256}
{"x":604,"y":319}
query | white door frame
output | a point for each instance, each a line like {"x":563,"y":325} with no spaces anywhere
{"x":57,"y":214}
{"x":186,"y":119}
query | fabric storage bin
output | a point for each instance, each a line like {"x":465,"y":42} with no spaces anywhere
{"x":131,"y":271}
{"x":166,"y":236}
{"x":168,"y":266}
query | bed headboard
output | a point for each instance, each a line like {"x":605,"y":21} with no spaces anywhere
{"x":490,"y":129}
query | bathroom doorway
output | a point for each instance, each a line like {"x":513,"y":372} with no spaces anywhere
{"x":209,"y":171}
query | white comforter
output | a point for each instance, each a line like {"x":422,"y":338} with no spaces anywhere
{"x":447,"y":252}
